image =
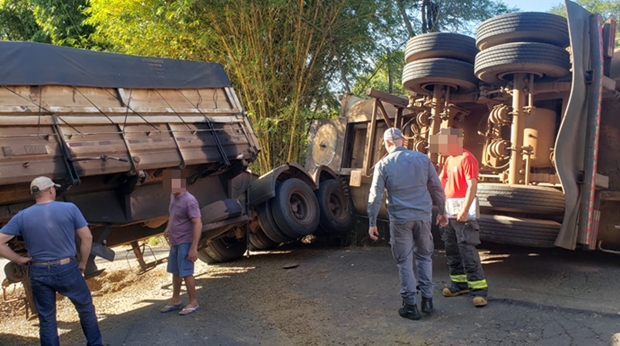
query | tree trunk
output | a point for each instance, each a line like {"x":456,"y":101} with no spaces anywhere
{"x":401,"y":7}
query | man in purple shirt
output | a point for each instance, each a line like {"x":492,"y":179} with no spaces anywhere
{"x":184,"y":229}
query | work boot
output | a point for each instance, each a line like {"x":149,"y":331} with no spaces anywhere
{"x":409,"y":311}
{"x":427,"y":305}
{"x":454,"y":290}
{"x":480,"y":301}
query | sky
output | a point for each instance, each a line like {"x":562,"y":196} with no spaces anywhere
{"x":533,"y":5}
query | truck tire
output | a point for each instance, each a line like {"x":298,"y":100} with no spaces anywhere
{"x":441,"y":45}
{"x":497,"y":64}
{"x":334,"y":207}
{"x":523,"y":27}
{"x":521,"y":198}
{"x":224,"y":249}
{"x":526,"y":232}
{"x":260,"y":241}
{"x":295,"y":208}
{"x":420,"y":76}
{"x":268,"y":224}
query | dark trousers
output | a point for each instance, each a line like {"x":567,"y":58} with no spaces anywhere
{"x":67,"y":280}
{"x":412,"y":240}
{"x":461,"y":240}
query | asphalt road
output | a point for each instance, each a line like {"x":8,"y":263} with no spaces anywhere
{"x":349,"y":296}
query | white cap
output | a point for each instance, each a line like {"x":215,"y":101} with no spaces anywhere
{"x":41,"y":183}
{"x":392,"y":134}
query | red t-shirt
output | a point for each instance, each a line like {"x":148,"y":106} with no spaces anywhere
{"x":455,"y":173}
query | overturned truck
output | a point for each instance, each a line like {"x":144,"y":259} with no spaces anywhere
{"x":536,"y":97}
{"x":106,"y":126}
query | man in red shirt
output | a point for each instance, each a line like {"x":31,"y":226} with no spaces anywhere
{"x":461,"y":234}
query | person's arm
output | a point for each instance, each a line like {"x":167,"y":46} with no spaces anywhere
{"x":193,"y":250}
{"x":86,"y":243}
{"x":193,"y":212}
{"x":375,"y":196}
{"x":435,"y":188}
{"x":472,"y":190}
{"x":470,"y":168}
{"x":10,"y":230}
{"x":443,"y":176}
{"x":167,"y":229}
{"x":8,"y":253}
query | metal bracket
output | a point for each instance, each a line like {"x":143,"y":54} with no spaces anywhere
{"x":64,"y":149}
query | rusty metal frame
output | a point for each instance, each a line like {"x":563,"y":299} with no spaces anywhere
{"x":399,"y":103}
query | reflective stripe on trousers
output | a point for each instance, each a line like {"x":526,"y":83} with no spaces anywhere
{"x":461,"y":240}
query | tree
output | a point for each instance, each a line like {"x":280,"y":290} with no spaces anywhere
{"x":418,"y":17}
{"x":448,"y":15}
{"x":284,"y":57}
{"x":606,"y":8}
{"x":63,"y":21}
{"x":18,"y":23}
{"x":60,"y":22}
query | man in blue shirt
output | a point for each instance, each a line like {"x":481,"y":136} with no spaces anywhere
{"x":49,"y":230}
{"x":412,"y":185}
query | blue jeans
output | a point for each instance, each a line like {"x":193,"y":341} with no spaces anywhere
{"x":67,"y":280}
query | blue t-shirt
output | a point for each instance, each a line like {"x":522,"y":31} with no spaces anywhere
{"x":48,"y":230}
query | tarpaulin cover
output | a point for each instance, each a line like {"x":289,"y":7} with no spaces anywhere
{"x":28,"y":63}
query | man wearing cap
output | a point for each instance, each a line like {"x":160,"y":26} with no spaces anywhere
{"x":412,"y":185}
{"x":49,"y":229}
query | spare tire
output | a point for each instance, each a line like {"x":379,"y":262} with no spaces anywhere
{"x":441,"y":45}
{"x":515,"y":231}
{"x":523,"y":27}
{"x":496,"y":65}
{"x":295,"y":208}
{"x":422,"y":75}
{"x":521,"y":198}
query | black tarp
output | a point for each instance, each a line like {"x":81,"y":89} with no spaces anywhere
{"x":28,"y":63}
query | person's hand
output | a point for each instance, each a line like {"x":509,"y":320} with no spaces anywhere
{"x":462,"y":216}
{"x":82,"y":267}
{"x":23,"y":260}
{"x":373,"y":232}
{"x":193,"y":254}
{"x":442,"y":220}
{"x":166,"y":233}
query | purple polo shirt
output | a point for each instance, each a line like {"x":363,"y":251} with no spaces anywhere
{"x":182,"y":210}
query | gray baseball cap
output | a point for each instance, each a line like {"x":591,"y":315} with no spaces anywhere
{"x":392,"y":134}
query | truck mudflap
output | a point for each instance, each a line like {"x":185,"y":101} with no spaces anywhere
{"x":576,"y":151}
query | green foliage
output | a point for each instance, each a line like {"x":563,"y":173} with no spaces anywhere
{"x":422,"y":16}
{"x":288,"y":59}
{"x":60,"y":22}
{"x":606,"y":8}
{"x":18,"y":23}
{"x":63,"y":21}
{"x":386,"y":75}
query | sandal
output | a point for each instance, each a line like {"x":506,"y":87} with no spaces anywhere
{"x":187,"y":311}
{"x":169,"y":308}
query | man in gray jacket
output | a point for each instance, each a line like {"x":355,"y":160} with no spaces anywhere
{"x":412,"y":185}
